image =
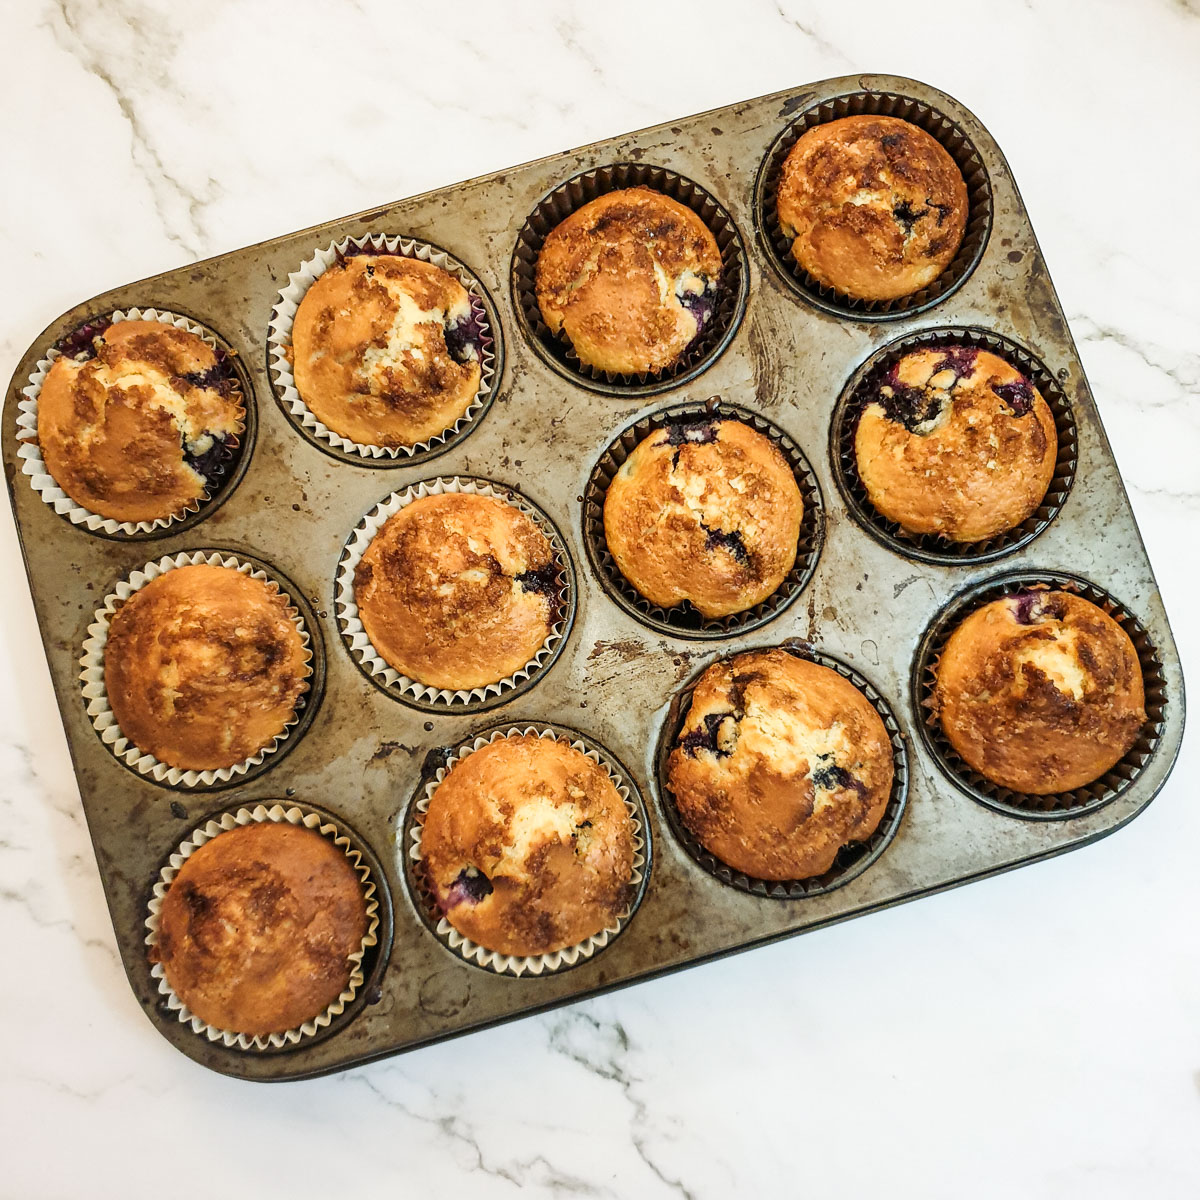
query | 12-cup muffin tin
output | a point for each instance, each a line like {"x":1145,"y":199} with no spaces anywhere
{"x":869,"y":602}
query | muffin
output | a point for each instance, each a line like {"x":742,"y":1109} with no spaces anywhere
{"x":256,"y":930}
{"x":630,"y":279}
{"x":705,"y":511}
{"x":458,"y":590}
{"x":528,"y":846}
{"x":874,"y":206}
{"x":204,"y":666}
{"x":780,"y":763}
{"x":1040,"y":692}
{"x":386,"y":350}
{"x":139,"y":424}
{"x":956,"y":442}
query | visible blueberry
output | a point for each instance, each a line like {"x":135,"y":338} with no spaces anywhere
{"x":353,"y":251}
{"x":700,"y":306}
{"x":909,"y":406}
{"x":464,"y":338}
{"x":731,"y":541}
{"x":80,"y":344}
{"x":218,"y":378}
{"x":707,"y":738}
{"x":908,"y":216}
{"x":697,"y":432}
{"x":943,"y":210}
{"x":1026,"y":602}
{"x":209,"y":464}
{"x":1018,"y":395}
{"x":469,"y":887}
{"x":960,"y":360}
{"x":543,"y":580}
{"x":831,"y":777}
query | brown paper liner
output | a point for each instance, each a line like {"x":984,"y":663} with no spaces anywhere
{"x":855,"y":857}
{"x":937,"y":548}
{"x":683,"y":620}
{"x":1074,"y":803}
{"x":935,"y":123}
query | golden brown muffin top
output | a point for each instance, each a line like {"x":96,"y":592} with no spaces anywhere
{"x":706,"y":511}
{"x":135,"y":432}
{"x":203,"y":667}
{"x":528,"y":846}
{"x":630,"y":279}
{"x":458,"y":590}
{"x":779,"y":764}
{"x":875,"y":206}
{"x":385,"y":350}
{"x":256,"y":930}
{"x":1040,"y":692}
{"x":956,"y":442}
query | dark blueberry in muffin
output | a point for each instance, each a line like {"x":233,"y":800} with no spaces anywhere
{"x":471,"y":886}
{"x":1017,"y":395}
{"x":208,"y":456}
{"x":911,"y":407}
{"x":700,"y":432}
{"x":959,"y":359}
{"x":80,"y":345}
{"x":544,"y":580}
{"x":710,"y":737}
{"x":219,"y":377}
{"x":464,"y":338}
{"x":700,"y":305}
{"x":731,"y":541}
{"x":907,"y":216}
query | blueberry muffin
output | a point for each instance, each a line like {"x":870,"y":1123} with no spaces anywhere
{"x":528,"y":847}
{"x":458,"y":590}
{"x":386,"y":350}
{"x":1040,"y":692}
{"x":256,"y":930}
{"x":630,"y":279}
{"x":138,"y":421}
{"x":957,"y":442}
{"x":874,"y":206}
{"x":204,"y":666}
{"x":705,"y":511}
{"x":780,"y":763}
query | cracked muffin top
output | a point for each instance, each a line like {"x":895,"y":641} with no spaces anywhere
{"x":386,"y":350}
{"x":135,"y":423}
{"x":203,"y":667}
{"x":956,"y":442}
{"x":875,"y":207}
{"x":780,"y":763}
{"x":528,"y":846}
{"x":256,"y":930}
{"x":630,"y":278}
{"x":706,"y":511}
{"x":458,"y":590}
{"x":1040,"y":692}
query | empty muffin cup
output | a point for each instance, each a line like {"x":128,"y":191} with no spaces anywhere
{"x":361,"y":961}
{"x":1078,"y":801}
{"x":215,"y":458}
{"x":718,"y":315}
{"x":477,"y":338}
{"x":422,"y":891}
{"x":692,"y":420}
{"x":953,"y":139}
{"x":99,"y":707}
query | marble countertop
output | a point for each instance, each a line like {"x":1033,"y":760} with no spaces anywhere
{"x":1036,"y":1034}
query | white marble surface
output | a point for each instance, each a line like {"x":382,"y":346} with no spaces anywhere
{"x":1037,"y":1035}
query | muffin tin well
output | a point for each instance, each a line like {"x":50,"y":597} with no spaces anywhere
{"x":619,"y":676}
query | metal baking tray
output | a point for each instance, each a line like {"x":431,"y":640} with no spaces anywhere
{"x":867,"y":604}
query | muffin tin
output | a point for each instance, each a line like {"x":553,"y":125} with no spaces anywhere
{"x":872,"y":604}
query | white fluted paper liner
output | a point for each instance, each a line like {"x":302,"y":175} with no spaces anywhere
{"x":541,"y":964}
{"x":292,"y":815}
{"x":91,"y":675}
{"x":30,"y":452}
{"x":351,"y":624}
{"x":279,"y":339}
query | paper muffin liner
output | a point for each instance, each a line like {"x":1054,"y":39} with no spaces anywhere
{"x":472,"y":952}
{"x":279,"y":343}
{"x":854,"y":858}
{"x":30,"y":451}
{"x":556,"y":206}
{"x":1058,"y":805}
{"x":683,"y":620}
{"x":422,"y":695}
{"x":104,"y":721}
{"x":291,"y":814}
{"x":937,"y":548}
{"x":887,"y":104}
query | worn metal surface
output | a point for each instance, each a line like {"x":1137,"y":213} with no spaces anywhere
{"x":363,"y":755}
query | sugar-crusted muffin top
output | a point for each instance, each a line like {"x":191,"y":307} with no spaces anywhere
{"x":706,"y":511}
{"x":204,"y":666}
{"x":779,"y":764}
{"x":528,"y":846}
{"x":386,"y":350}
{"x":875,"y":206}
{"x":630,"y":278}
{"x":257,"y":928}
{"x":134,"y":425}
{"x":1040,"y":692}
{"x":957,"y":442}
{"x":458,"y":590}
